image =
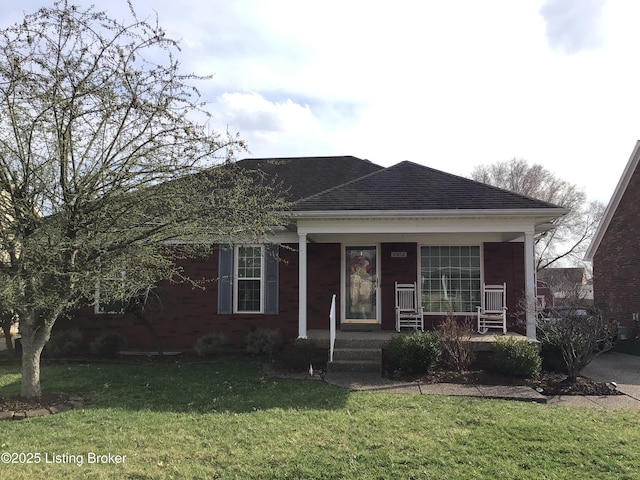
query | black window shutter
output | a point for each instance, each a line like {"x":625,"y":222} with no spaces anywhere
{"x":272,"y":274}
{"x":225,"y":280}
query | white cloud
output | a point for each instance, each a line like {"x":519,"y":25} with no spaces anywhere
{"x":269,"y":124}
{"x":449,"y":84}
{"x":574,"y":25}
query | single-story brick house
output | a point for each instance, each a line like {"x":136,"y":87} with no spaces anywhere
{"x":357,"y":228}
{"x":615,"y":252}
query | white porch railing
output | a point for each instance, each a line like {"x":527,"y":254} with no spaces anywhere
{"x":332,"y":327}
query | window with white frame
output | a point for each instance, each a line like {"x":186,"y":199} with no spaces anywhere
{"x":109,"y":295}
{"x":248,"y":278}
{"x":450,"y":278}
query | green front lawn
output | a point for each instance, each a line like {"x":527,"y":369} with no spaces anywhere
{"x":230,"y":421}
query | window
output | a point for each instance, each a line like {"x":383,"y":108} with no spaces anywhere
{"x":109,"y":296}
{"x":450,"y":278}
{"x":248,"y":278}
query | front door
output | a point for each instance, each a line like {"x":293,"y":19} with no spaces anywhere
{"x":361,"y":284}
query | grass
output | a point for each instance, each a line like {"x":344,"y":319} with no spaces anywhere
{"x":229,"y":421}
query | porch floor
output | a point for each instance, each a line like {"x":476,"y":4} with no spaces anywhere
{"x":480,"y":342}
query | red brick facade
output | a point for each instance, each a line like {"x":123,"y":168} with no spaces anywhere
{"x":504,"y":262}
{"x":392,"y":269}
{"x":616,"y":263}
{"x":188,"y":313}
{"x":323,"y":280}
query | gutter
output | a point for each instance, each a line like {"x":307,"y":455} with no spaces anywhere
{"x":530,"y":212}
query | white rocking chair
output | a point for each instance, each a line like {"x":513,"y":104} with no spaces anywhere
{"x":409,"y":312}
{"x":493,"y":311}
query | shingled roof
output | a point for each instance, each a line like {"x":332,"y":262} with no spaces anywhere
{"x":409,"y":186}
{"x":344,"y":183}
{"x":306,"y":176}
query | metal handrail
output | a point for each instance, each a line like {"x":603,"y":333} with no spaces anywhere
{"x":332,"y":327}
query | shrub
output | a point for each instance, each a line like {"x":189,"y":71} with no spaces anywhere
{"x":264,"y":342}
{"x":455,"y":337}
{"x":66,"y":343}
{"x":107,"y":345}
{"x":300,"y":353}
{"x":210,"y":345}
{"x":516,"y":357}
{"x":573,"y":337}
{"x":415,"y":352}
{"x":552,"y":360}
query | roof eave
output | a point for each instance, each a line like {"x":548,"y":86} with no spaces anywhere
{"x":466,"y":213}
{"x":612,"y":206}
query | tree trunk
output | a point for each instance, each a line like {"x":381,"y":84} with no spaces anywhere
{"x":30,"y":369}
{"x":34,"y":335}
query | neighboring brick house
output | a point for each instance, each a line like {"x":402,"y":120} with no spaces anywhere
{"x":615,"y":251}
{"x":356,"y":229}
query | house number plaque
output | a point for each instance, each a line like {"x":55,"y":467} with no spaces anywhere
{"x":398,"y":254}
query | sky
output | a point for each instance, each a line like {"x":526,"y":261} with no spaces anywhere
{"x":450,"y":84}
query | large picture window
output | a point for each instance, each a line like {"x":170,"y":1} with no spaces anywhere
{"x":450,"y":278}
{"x":249,"y":278}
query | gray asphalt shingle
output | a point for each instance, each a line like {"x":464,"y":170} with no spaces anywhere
{"x":349,"y":183}
{"x":306,"y":176}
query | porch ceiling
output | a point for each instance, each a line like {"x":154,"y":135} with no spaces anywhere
{"x":501,"y":227}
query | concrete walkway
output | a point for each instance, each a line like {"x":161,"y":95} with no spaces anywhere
{"x":619,"y":368}
{"x":372,"y":382}
{"x":622,"y":369}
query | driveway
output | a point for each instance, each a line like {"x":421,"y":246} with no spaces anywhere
{"x":620,"y":368}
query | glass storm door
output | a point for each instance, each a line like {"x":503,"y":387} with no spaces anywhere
{"x":361,"y":282}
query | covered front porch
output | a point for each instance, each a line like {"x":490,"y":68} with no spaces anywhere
{"x":448,"y":260}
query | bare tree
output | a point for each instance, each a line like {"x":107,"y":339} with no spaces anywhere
{"x":104,"y":170}
{"x":570,"y":237}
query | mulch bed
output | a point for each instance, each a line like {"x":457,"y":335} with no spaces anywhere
{"x":551,"y":383}
{"x":17,"y":404}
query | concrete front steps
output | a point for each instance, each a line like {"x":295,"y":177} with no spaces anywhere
{"x":357,"y":355}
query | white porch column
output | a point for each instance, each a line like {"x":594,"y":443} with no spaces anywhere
{"x":530,"y":285}
{"x":302,"y":285}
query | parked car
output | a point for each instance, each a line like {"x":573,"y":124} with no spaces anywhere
{"x":578,"y":312}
